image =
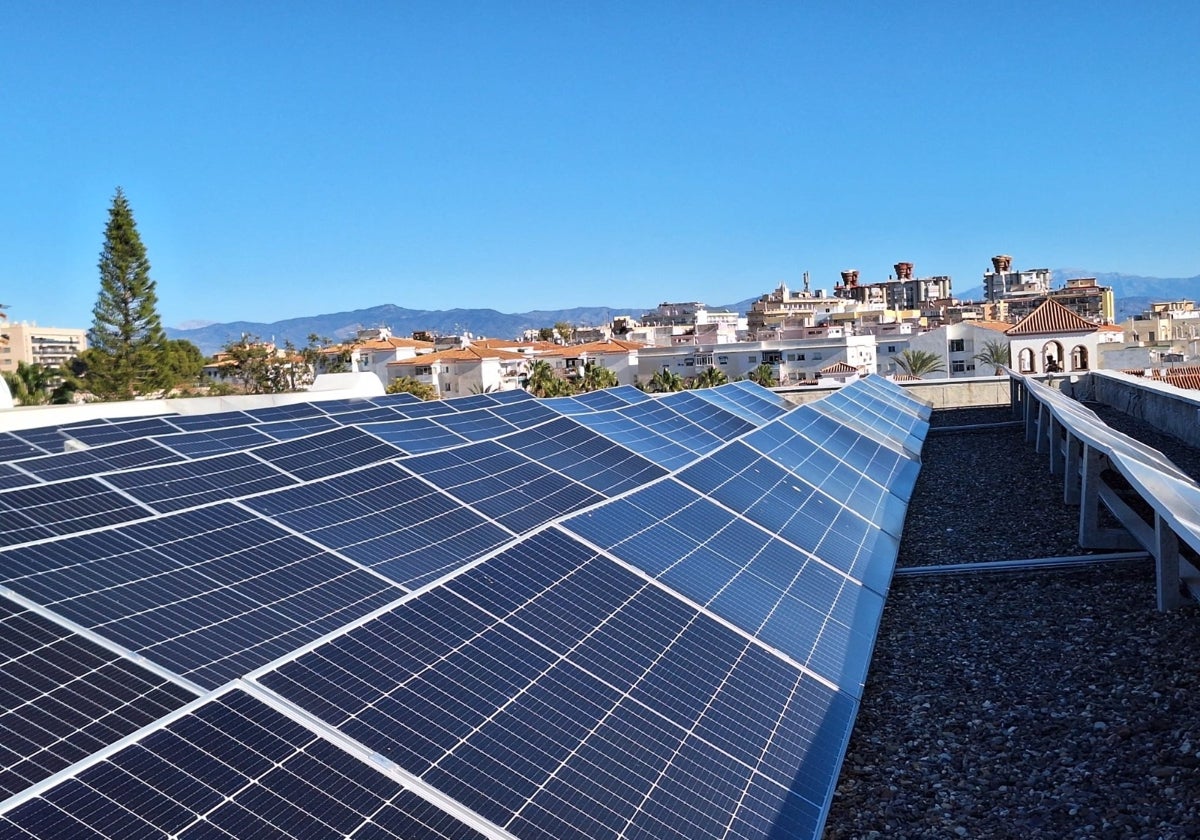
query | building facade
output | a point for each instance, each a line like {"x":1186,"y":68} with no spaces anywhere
{"x":34,"y":345}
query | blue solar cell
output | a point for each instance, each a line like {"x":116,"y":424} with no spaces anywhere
{"x":201,"y":443}
{"x":432,"y":408}
{"x":533,"y":715}
{"x":207,"y":422}
{"x":524,"y":413}
{"x":38,"y":511}
{"x":111,"y":432}
{"x":385,"y":518}
{"x":12,"y":477}
{"x":638,"y":438}
{"x":13,"y":447}
{"x":502,"y":485}
{"x":394,"y":399}
{"x":288,"y":783}
{"x":584,"y":455}
{"x":476,"y":424}
{"x":210,"y":593}
{"x":300,"y":427}
{"x":671,"y":424}
{"x":415,"y":435}
{"x":62,"y":697}
{"x":172,"y":487}
{"x":113,"y":456}
{"x":294,"y":411}
{"x":327,"y":453}
{"x":47,"y":439}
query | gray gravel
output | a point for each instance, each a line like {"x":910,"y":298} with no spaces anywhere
{"x":1033,"y":705}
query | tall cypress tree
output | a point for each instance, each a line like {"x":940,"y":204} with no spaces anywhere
{"x":126,"y":340}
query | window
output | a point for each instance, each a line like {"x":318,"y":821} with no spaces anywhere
{"x":722,"y":360}
{"x":424,"y":371}
{"x":891,"y":348}
{"x":958,"y":366}
{"x":706,"y":359}
{"x":957,"y":345}
{"x":772,"y":357}
{"x":818,"y":357}
{"x":752,"y":360}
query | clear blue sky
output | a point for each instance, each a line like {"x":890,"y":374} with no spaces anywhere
{"x":293,"y":158}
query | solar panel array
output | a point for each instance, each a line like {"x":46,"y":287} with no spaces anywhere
{"x":608,"y":615}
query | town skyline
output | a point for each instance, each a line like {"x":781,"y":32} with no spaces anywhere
{"x":515,"y":158}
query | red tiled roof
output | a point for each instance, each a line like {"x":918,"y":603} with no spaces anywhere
{"x":465,"y":354}
{"x":1051,"y":317}
{"x":839,"y":367}
{"x":593,"y":348}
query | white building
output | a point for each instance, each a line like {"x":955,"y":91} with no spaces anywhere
{"x":956,"y":345}
{"x":621,"y":357}
{"x":462,"y":371}
{"x":1052,"y":338}
{"x":34,"y":345}
{"x":792,"y":361}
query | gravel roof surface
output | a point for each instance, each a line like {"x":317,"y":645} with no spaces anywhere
{"x":1050,"y":704}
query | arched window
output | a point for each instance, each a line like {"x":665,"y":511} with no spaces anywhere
{"x":1025,"y":359}
{"x":1079,"y":358}
{"x":1052,"y":357}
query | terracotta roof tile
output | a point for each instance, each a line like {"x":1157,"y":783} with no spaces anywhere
{"x":593,"y":348}
{"x":839,"y":367}
{"x":465,"y":354}
{"x":1051,"y":317}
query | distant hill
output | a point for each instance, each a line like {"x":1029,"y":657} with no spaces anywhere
{"x":481,"y":323}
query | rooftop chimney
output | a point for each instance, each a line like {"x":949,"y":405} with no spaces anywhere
{"x":904,"y":270}
{"x":1002,"y":263}
{"x":850,"y":277}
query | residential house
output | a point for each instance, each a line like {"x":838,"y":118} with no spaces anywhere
{"x":371,"y":351}
{"x":464,"y":370}
{"x":621,"y":357}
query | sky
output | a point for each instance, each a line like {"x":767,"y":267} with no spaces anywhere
{"x":285,"y":159}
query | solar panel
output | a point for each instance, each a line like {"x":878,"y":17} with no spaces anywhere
{"x":40,"y":511}
{"x":417,"y":435}
{"x":208,"y":594}
{"x":13,"y":447}
{"x":12,"y":477}
{"x":212,"y":442}
{"x":218,"y":420}
{"x":234,"y":767}
{"x":172,"y":487}
{"x":44,"y":440}
{"x":62,"y":697}
{"x":106,"y":432}
{"x":476,"y":424}
{"x":300,"y":427}
{"x":327,"y":453}
{"x":556,"y":737}
{"x":585,"y":456}
{"x":113,"y":456}
{"x":386,"y":519}
{"x":503,"y":485}
{"x":652,"y":621}
{"x":637,"y":437}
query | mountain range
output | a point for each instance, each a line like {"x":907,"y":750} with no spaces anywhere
{"x":1133,"y":294}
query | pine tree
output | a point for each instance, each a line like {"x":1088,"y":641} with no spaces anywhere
{"x":127,"y":339}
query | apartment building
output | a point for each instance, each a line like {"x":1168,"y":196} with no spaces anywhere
{"x":34,"y":345}
{"x":792,"y":361}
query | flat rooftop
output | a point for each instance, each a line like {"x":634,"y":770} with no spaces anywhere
{"x":1055,"y":703}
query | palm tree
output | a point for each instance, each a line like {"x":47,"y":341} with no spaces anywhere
{"x":596,"y":377}
{"x":920,"y":362}
{"x":764,"y":375}
{"x":665,"y":382}
{"x":30,"y":384}
{"x":541,"y":381}
{"x":995,"y":353}
{"x":710,"y":378}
